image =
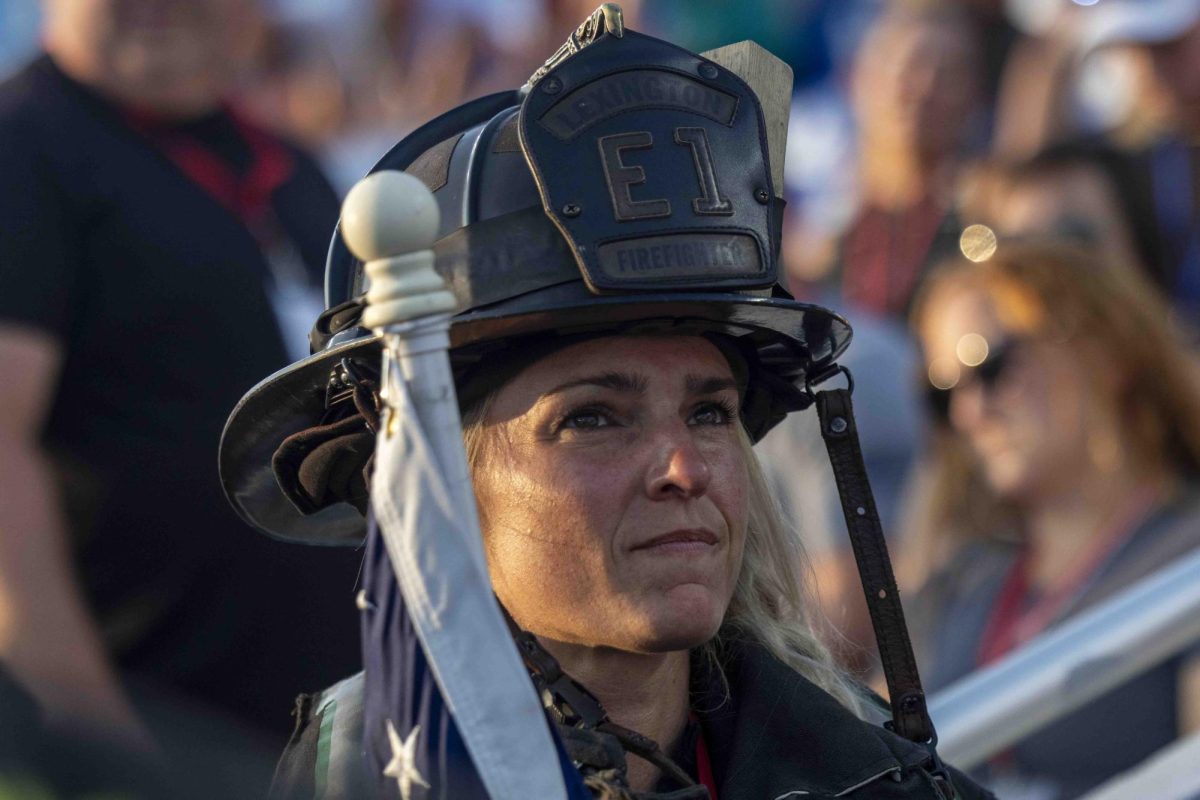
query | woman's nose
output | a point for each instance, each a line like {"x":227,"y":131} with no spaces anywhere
{"x":967,"y":406}
{"x":678,"y":467}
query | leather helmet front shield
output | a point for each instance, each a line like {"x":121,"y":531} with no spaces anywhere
{"x":653,"y":163}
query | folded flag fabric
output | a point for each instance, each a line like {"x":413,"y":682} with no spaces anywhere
{"x":449,"y":711}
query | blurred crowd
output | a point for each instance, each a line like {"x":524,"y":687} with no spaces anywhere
{"x":1002,"y":196}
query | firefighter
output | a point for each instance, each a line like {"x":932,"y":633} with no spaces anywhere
{"x":611,"y":233}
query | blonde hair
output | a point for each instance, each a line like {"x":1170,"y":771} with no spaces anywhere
{"x":1055,"y":290}
{"x":772,"y":603}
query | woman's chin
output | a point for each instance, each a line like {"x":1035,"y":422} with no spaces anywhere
{"x":1009,"y":477}
{"x":687,"y":617}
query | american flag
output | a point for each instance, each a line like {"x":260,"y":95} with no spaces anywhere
{"x":447,"y":711}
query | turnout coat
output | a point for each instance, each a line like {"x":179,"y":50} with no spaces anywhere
{"x":770,"y":733}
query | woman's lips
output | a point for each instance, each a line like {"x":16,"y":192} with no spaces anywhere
{"x":681,"y":541}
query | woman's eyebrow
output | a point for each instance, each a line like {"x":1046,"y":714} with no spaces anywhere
{"x":618,"y":381}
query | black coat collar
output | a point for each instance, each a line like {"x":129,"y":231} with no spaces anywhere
{"x":775,"y":733}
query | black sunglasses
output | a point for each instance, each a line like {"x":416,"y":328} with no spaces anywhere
{"x":986,"y":373}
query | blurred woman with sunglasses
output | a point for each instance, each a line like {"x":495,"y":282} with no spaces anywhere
{"x":1063,"y":468}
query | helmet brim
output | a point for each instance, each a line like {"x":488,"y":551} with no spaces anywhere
{"x":293,"y":399}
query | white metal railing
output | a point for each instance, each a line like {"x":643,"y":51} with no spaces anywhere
{"x":1066,"y":667}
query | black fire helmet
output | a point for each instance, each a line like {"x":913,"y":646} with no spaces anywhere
{"x":627,"y":188}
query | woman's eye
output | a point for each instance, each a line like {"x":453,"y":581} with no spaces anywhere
{"x":713,"y":414}
{"x":587,"y":419}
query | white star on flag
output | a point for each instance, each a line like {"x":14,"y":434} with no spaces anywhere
{"x":403,"y":766}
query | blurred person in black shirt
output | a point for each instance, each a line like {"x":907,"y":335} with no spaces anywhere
{"x":153,"y":247}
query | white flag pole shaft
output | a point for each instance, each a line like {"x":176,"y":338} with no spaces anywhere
{"x":423,"y":499}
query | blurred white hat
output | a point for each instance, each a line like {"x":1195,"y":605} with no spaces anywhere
{"x":1111,"y":22}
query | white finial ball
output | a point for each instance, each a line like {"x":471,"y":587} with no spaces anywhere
{"x":389,"y":213}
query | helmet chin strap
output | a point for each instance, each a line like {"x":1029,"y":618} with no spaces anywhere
{"x":593,"y":741}
{"x":910,"y":716}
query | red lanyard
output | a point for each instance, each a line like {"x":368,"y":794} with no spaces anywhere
{"x":704,"y":765}
{"x":247,"y":195}
{"x":1012,"y":624}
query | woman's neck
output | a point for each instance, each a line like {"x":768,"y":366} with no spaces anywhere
{"x":1061,"y":527}
{"x":647,"y":693}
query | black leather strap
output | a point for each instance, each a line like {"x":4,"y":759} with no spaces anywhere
{"x":910,"y":717}
{"x":584,"y":725}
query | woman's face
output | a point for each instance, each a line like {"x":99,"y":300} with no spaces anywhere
{"x":612,"y":493}
{"x":1029,"y":412}
{"x":175,"y":57}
